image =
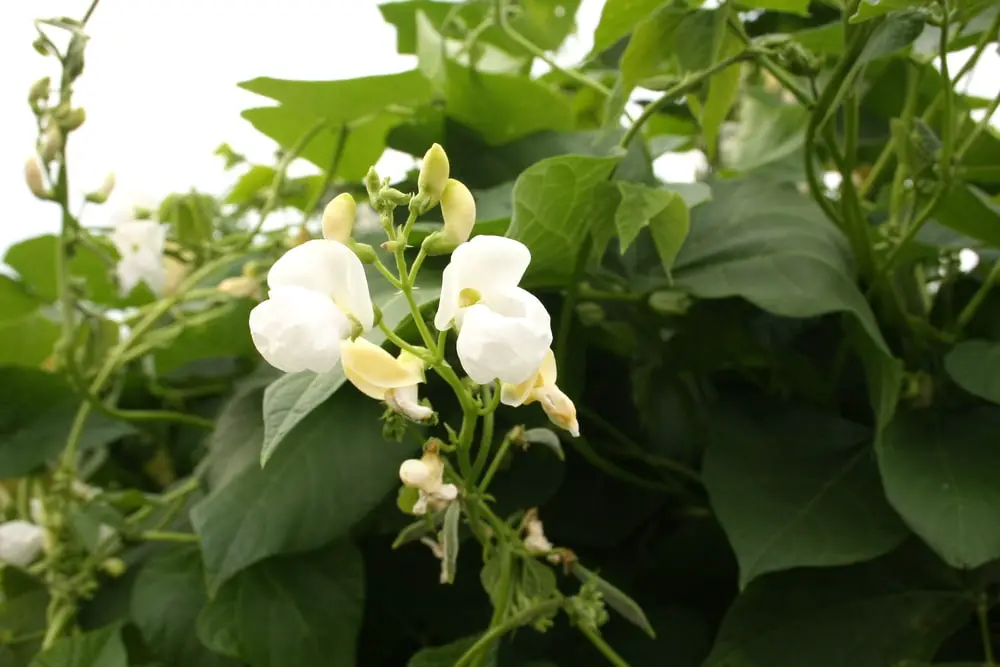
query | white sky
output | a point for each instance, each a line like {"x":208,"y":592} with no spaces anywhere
{"x":160,"y":88}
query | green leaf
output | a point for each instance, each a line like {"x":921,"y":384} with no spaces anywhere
{"x":618,"y":18}
{"x":766,"y":243}
{"x":797,"y":489}
{"x":769,"y":131}
{"x":290,"y":399}
{"x":869,"y":9}
{"x":556,"y":202}
{"x":723,"y":89}
{"x":449,"y":654}
{"x":547,"y":438}
{"x":27,"y":340}
{"x":15,"y":301}
{"x":221,"y":332}
{"x":36,"y":414}
{"x":969,"y":211}
{"x":651,"y":50}
{"x":303,"y":610}
{"x":937,"y":468}
{"x":896,"y":33}
{"x":616,"y":599}
{"x":884,"y":374}
{"x":35,"y":261}
{"x":974,"y":365}
{"x":167,"y":597}
{"x":100,"y":648}
{"x":662,"y":211}
{"x":800,"y":7}
{"x":332,"y":470}
{"x":869,"y":615}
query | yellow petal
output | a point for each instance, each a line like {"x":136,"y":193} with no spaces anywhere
{"x":373,"y":370}
{"x":518,"y":394}
{"x":559,"y":408}
{"x":547,"y":371}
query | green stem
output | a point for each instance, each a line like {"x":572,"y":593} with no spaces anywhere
{"x":485,"y":439}
{"x":786,"y":80}
{"x":498,"y":631}
{"x":90,"y":12}
{"x":495,"y":464}
{"x":393,"y":338}
{"x":982,"y":613}
{"x":279,"y":180}
{"x":381,"y":268}
{"x":60,"y":619}
{"x":168,"y":536}
{"x":911,"y":232}
{"x":689,"y":82}
{"x":603,"y":647}
{"x":977,"y":299}
{"x":948,"y":122}
{"x":407,"y":282}
{"x":979,"y":128}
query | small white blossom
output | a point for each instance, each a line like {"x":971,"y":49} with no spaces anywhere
{"x":426,"y":474}
{"x":21,"y":542}
{"x":378,"y":374}
{"x":318,"y":297}
{"x":140,"y":246}
{"x":542,"y":387}
{"x":504,"y":330}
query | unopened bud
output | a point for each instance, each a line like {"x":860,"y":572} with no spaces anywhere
{"x":668,"y":302}
{"x":373,"y":184}
{"x":433,"y":178}
{"x":52,"y":143}
{"x":458,"y":208}
{"x":365,"y":252}
{"x":396,"y":197}
{"x":39,"y":92}
{"x":338,"y":218}
{"x":72,"y":119}
{"x":114,"y":567}
{"x":33,"y":177}
{"x":102,"y":193}
{"x":242,"y":287}
{"x":392,"y":246}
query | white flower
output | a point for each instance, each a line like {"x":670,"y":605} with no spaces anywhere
{"x":504,"y":330}
{"x":318,"y":297}
{"x":426,"y":474}
{"x":140,"y":245}
{"x":535,"y":541}
{"x":21,"y":542}
{"x":542,"y":387}
{"x":383,"y":377}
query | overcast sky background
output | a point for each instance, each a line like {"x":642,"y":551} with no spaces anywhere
{"x":160,"y":89}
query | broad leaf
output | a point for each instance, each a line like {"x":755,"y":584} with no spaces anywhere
{"x":797,"y":489}
{"x":221,"y":332}
{"x":556,"y":202}
{"x":15,"y":301}
{"x":938,"y":468}
{"x":869,"y":615}
{"x":28,"y":340}
{"x":100,"y":648}
{"x":290,"y":399}
{"x":167,"y":597}
{"x":449,"y":654}
{"x":34,"y":260}
{"x":302,"y":610}
{"x":790,"y":6}
{"x":723,"y":88}
{"x":618,"y":18}
{"x":974,"y":365}
{"x":769,"y":245}
{"x":651,"y":50}
{"x":969,"y":211}
{"x":333,"y":469}
{"x":662,"y":211}
{"x":769,"y":131}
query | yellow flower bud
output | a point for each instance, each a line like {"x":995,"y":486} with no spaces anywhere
{"x":33,"y":177}
{"x":52,"y":142}
{"x":338,"y":218}
{"x":458,"y":208}
{"x":433,"y":178}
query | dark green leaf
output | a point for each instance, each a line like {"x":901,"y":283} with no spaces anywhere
{"x":769,"y":131}
{"x":766,"y":243}
{"x":797,"y":490}
{"x":290,"y":399}
{"x":100,"y":648}
{"x":556,"y":202}
{"x":616,"y":599}
{"x":870,"y":615}
{"x":974,"y":365}
{"x":219,"y":332}
{"x":167,"y":597}
{"x":448,"y":655}
{"x":302,"y":610}
{"x":333,"y":470}
{"x":547,"y":438}
{"x":937,"y":468}
{"x":969,"y":211}
{"x":897,"y":32}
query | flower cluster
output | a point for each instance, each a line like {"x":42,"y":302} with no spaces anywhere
{"x":318,"y":308}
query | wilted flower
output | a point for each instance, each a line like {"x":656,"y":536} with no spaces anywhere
{"x":318,"y":297}
{"x":504,"y":330}
{"x":542,"y":387}
{"x":426,"y":474}
{"x":383,"y":377}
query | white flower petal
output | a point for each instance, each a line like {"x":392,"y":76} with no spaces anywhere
{"x":140,"y":267}
{"x":21,"y":542}
{"x":415,"y":474}
{"x":297,"y":330}
{"x":486,"y":264}
{"x":505,"y":338}
{"x":330,"y":268}
{"x":139,"y":236}
{"x":406,"y":401}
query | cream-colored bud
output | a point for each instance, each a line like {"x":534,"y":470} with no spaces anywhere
{"x":433,"y":178}
{"x":39,"y":91}
{"x":338,"y":218}
{"x":458,"y":207}
{"x":102,"y":193}
{"x":243,"y":287}
{"x":414,"y":473}
{"x":33,"y":177}
{"x":52,"y":142}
